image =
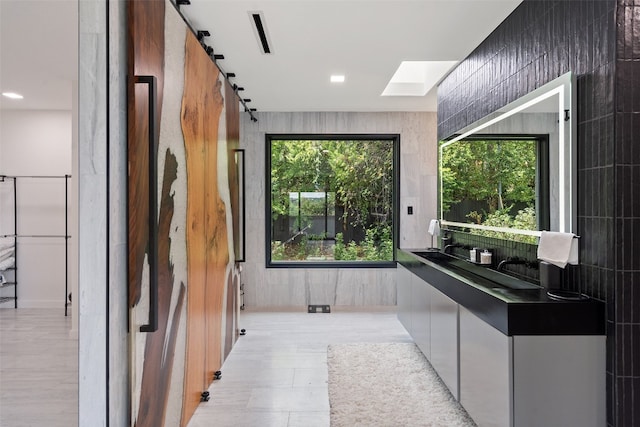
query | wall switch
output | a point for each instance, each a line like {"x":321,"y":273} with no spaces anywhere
{"x":409,"y":210}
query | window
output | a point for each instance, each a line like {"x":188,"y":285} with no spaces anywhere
{"x":333,"y":200}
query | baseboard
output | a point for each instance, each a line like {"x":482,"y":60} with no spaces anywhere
{"x":41,"y":303}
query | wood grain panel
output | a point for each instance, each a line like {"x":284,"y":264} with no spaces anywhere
{"x":206,"y":229}
{"x":217,"y":247}
{"x":231,"y":326}
{"x":160,"y":347}
{"x":146,"y":57}
{"x":208,"y":255}
{"x":145,"y":53}
{"x":232,"y":116}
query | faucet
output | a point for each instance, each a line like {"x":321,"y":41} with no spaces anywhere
{"x":514,"y":260}
{"x":451,"y":245}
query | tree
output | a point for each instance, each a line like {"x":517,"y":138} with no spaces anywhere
{"x":356,"y":175}
{"x":364,"y":178}
{"x":296,"y":166}
{"x":497,"y":172}
{"x":359,"y":172}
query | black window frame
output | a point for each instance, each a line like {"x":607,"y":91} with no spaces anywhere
{"x":395,"y":226}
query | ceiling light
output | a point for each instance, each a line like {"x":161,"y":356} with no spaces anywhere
{"x":260,"y":31}
{"x":12,"y":95}
{"x":337,"y":78}
{"x":416,"y":78}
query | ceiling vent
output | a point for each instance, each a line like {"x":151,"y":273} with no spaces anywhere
{"x":260,"y":30}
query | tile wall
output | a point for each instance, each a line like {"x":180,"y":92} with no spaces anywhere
{"x":280,"y":287}
{"x":625,"y":316}
{"x":599,"y":41}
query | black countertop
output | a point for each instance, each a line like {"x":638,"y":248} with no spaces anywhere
{"x":512,"y":306}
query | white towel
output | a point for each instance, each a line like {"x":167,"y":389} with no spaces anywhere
{"x":558,"y":248}
{"x":434,"y":227}
{"x":6,"y":242}
{"x":6,"y":253}
{"x":7,"y":263}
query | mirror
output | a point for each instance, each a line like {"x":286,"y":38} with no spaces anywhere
{"x":513,"y":173}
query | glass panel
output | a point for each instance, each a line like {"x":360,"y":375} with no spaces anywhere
{"x":547,"y":114}
{"x":496,"y":183}
{"x":331,"y":200}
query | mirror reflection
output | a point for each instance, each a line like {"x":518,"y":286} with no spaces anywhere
{"x":512,"y":174}
{"x":497,"y":180}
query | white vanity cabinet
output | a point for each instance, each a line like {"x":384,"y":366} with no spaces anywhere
{"x":486,"y":364}
{"x":431,"y":318}
{"x":404,"y":280}
{"x":414,"y":308}
{"x":531,"y":381}
{"x":501,"y":358}
{"x":444,"y":338}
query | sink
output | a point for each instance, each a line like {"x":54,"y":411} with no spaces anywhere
{"x":434,"y":255}
{"x":486,"y":276}
{"x":506,"y":281}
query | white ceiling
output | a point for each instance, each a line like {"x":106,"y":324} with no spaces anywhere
{"x":38,"y":53}
{"x":311,"y":39}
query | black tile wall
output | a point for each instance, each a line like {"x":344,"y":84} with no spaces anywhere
{"x":500,"y":250}
{"x":599,"y":41}
{"x":627,"y":219}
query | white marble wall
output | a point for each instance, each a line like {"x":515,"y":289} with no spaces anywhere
{"x":102,"y":223}
{"x":92,"y":206}
{"x":73,"y":214}
{"x":279,"y":287}
{"x":118,"y":352}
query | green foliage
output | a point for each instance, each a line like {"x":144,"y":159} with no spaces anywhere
{"x":360,"y":173}
{"x":525,"y":219}
{"x":352,"y":252}
{"x":494,"y":171}
{"x":369,"y":249}
{"x":385,"y":246}
{"x":498,"y":173}
{"x":499,"y":218}
{"x":317,"y":236}
{"x":377,"y":246}
{"x":339,"y":248}
{"x":277,"y":251}
{"x":296,"y":166}
{"x":363,"y":172}
{"x":354,"y":175}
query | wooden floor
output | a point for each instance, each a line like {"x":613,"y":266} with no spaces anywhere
{"x":276,"y":374}
{"x":38,"y":369}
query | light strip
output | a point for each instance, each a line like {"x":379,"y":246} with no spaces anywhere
{"x":561,"y":171}
{"x":535,"y":233}
{"x":12,"y":95}
{"x":507,"y":114}
{"x":566,"y":141}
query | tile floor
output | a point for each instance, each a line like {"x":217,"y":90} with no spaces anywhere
{"x":38,"y":369}
{"x":276,"y":374}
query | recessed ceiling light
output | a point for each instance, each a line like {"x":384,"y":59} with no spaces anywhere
{"x":260,"y":31}
{"x":337,"y":78}
{"x":12,"y":95}
{"x":416,"y":78}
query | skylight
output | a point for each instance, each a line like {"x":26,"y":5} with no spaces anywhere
{"x":416,"y":78}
